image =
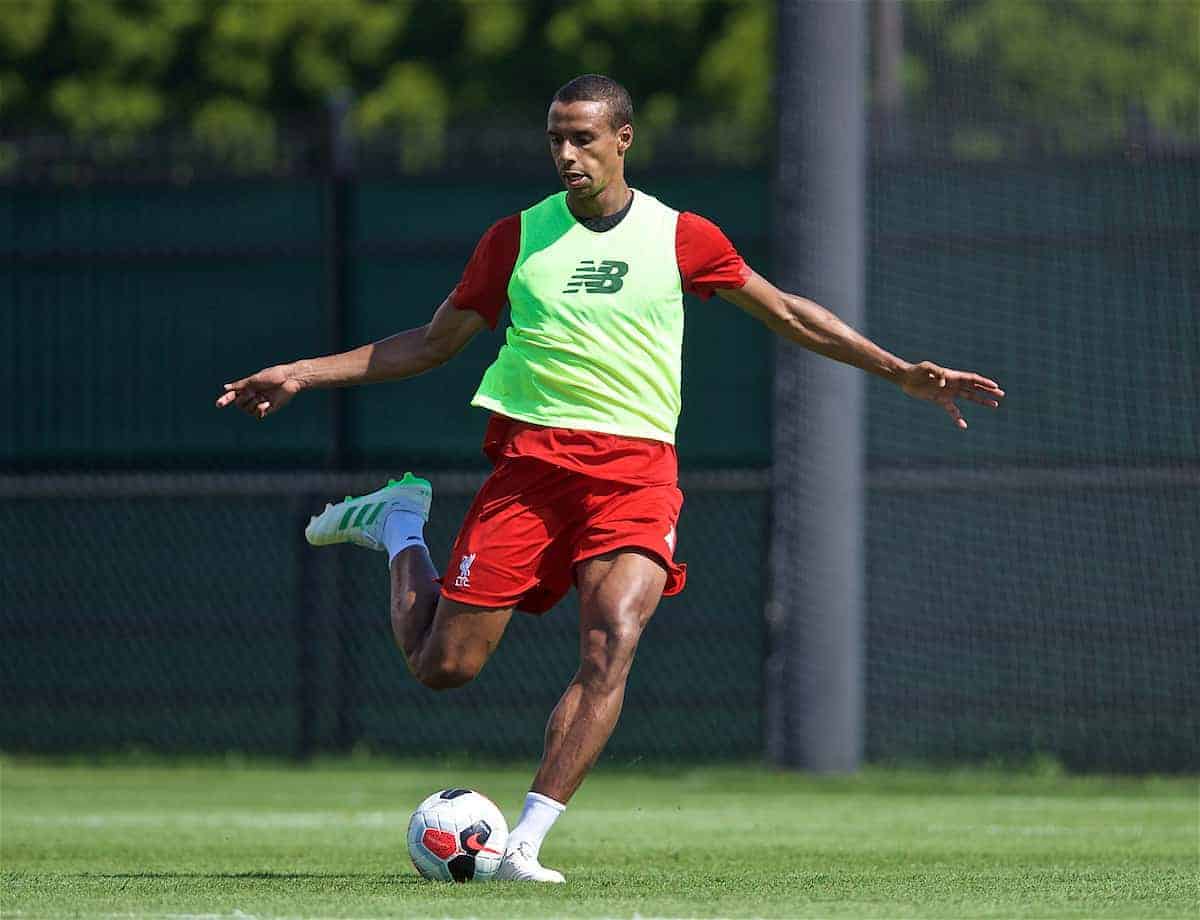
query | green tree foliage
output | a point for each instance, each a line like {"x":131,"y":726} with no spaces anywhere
{"x":1087,"y":65}
{"x":234,"y":72}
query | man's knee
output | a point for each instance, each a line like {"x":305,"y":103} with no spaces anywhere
{"x":445,"y":672}
{"x":608,"y":650}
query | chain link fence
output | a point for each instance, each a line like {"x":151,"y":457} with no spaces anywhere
{"x":1032,"y":584}
{"x":186,"y":613}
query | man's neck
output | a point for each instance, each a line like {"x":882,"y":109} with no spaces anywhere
{"x":611,"y":200}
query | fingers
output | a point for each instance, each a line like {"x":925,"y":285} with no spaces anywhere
{"x":989,"y":388}
{"x":952,"y":411}
{"x":944,"y":386}
{"x":258,"y":400}
{"x":246,"y":399}
{"x":982,"y":400}
{"x":984,"y":383}
{"x":977,"y":389}
{"x":976,"y":382}
{"x":249,"y":401}
{"x":231,"y":392}
{"x":258,"y":395}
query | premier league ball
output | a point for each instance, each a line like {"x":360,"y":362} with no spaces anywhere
{"x":457,"y":835}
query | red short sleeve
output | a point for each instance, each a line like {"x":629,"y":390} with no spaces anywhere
{"x":484,"y":283}
{"x":707,"y":260}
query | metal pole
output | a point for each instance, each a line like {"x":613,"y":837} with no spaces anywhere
{"x":339,"y":163}
{"x":815,"y":607}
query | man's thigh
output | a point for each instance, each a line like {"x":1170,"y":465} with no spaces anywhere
{"x":620,"y":588}
{"x":464,"y":633}
{"x":618,"y":592}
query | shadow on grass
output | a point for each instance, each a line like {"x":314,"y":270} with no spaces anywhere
{"x":404,"y":879}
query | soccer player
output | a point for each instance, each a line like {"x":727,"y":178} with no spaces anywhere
{"x":584,"y":396}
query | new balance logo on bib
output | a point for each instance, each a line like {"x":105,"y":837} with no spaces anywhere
{"x":604,"y":278}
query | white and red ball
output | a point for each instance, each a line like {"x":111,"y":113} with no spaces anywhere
{"x":457,"y":835}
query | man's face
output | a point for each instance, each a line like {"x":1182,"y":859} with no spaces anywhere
{"x":587,"y":152}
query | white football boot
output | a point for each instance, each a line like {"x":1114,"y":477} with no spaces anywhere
{"x":360,"y":520}
{"x":521,"y":865}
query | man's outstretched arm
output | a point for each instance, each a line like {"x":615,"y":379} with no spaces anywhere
{"x":811,"y":325}
{"x":402,"y":355}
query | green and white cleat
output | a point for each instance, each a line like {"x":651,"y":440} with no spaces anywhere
{"x":360,"y":520}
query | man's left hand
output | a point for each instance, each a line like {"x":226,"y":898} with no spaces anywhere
{"x":943,"y":386}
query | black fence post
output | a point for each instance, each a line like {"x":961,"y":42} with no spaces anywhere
{"x":344,"y":730}
{"x":339,"y":168}
{"x":307,"y":602}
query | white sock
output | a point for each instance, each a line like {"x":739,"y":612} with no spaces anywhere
{"x":537,"y":818}
{"x":401,"y":530}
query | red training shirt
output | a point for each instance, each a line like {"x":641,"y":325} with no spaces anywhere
{"x":707,"y":262}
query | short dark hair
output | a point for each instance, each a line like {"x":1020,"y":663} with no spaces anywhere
{"x":595,"y":87}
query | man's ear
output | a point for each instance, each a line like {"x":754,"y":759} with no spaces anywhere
{"x":624,"y":139}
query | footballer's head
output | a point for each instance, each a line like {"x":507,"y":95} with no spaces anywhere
{"x":590,"y":126}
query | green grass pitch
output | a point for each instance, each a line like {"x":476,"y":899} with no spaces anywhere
{"x":220,"y":841}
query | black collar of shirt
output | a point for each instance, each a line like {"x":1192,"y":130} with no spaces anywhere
{"x":602,"y":224}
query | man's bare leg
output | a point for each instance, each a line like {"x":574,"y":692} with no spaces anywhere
{"x":415,"y":595}
{"x":444,"y":642}
{"x":618,"y":593}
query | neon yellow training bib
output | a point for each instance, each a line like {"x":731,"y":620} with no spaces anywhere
{"x":597,"y":324}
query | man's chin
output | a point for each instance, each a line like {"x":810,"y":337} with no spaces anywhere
{"x":582,"y":192}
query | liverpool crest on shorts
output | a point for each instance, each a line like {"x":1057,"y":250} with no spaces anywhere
{"x":464,"y":571}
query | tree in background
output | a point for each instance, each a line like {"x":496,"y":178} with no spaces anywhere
{"x":234,"y":73}
{"x":1080,"y":70}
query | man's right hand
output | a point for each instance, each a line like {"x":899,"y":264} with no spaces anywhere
{"x":263,"y":393}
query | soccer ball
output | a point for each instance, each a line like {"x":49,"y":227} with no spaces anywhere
{"x":457,"y":835}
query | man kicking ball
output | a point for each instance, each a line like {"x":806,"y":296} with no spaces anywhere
{"x":584,"y":395}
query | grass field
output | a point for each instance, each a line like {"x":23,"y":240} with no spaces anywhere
{"x":328,"y":841}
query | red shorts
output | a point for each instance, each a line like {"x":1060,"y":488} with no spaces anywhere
{"x":533,"y":521}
